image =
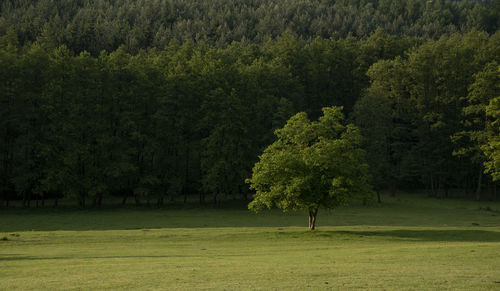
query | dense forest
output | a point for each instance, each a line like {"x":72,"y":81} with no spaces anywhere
{"x":96,"y":25}
{"x":169,"y":100}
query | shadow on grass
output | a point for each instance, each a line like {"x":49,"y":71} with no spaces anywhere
{"x":45,"y":219}
{"x":15,"y":257}
{"x":21,"y":220}
{"x":423,"y":235}
{"x":428,"y":235}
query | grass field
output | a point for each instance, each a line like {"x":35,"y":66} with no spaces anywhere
{"x":407,"y":243}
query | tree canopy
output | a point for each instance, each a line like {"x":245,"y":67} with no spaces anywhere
{"x":96,"y":25}
{"x":159,"y":101}
{"x":311,"y":165}
{"x":492,"y":147}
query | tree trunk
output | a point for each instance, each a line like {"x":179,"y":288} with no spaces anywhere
{"x":124,"y":200}
{"x":186,"y":175}
{"x":440,"y":183}
{"x":82,"y":202}
{"x":161,"y":199}
{"x":379,"y":199}
{"x":465,"y":186}
{"x":492,"y":190}
{"x":392,"y":188}
{"x":479,"y":181}
{"x":469,"y":182}
{"x":433,"y":190}
{"x":159,"y":203}
{"x":26,"y":198}
{"x":312,"y":218}
{"x":56,"y":202}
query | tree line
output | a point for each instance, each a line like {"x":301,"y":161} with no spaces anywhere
{"x":96,"y":25}
{"x":191,"y":119}
{"x":431,"y":116}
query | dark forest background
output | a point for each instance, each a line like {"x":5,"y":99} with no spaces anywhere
{"x":169,"y":100}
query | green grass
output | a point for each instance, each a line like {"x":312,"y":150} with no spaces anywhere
{"x":407,"y":243}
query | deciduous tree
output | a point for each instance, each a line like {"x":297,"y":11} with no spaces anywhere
{"x":311,"y":165}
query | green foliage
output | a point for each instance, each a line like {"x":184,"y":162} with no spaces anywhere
{"x":477,"y":139}
{"x":437,"y":95}
{"x":225,"y":150}
{"x":190,"y":116}
{"x":373,"y":115}
{"x":96,"y":25}
{"x":492,"y":147}
{"x":311,"y":165}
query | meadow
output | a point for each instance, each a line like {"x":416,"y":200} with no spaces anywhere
{"x":407,"y":243}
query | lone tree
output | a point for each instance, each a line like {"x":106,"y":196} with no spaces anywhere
{"x":312,"y":165}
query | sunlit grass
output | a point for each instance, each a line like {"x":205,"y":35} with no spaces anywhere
{"x":407,"y":243}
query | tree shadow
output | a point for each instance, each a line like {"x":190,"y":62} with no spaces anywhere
{"x":15,"y":220}
{"x":22,"y":220}
{"x":18,"y":257}
{"x":409,"y":235}
{"x":447,"y":235}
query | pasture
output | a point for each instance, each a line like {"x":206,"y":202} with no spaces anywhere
{"x":407,"y":243}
